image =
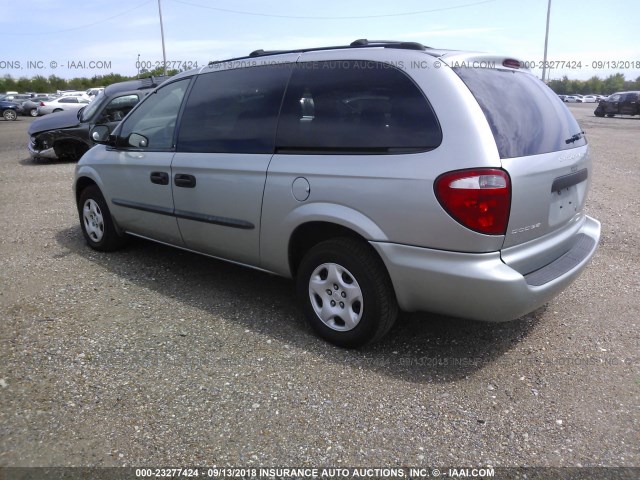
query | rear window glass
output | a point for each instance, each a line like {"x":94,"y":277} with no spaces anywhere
{"x":355,"y":107}
{"x":525,"y":116}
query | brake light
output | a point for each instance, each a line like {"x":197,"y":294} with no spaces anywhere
{"x":511,"y":63}
{"x":42,"y":104}
{"x":478,"y":199}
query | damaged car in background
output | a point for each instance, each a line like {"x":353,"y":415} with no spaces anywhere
{"x":65,"y":135}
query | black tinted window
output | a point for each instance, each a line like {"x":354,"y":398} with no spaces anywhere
{"x":355,"y":106}
{"x":234,"y":111}
{"x":525,"y":116}
{"x":118,"y":108}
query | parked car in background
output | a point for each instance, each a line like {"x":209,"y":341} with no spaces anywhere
{"x":79,"y":94}
{"x":621,"y":103}
{"x":30,"y":107}
{"x":589,"y":98}
{"x":17,"y":97}
{"x":66,"y":135}
{"x":572,"y":99}
{"x":62,"y":103}
{"x":9,"y":110}
{"x":336,"y":168}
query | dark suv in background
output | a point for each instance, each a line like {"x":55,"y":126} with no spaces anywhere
{"x":621,"y":103}
{"x":65,"y":135}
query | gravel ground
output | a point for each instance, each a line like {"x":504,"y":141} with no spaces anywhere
{"x":152,"y":356}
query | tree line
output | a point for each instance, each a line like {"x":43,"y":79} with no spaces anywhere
{"x":595,"y":85}
{"x":52,"y":83}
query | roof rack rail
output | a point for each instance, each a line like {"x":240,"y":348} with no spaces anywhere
{"x":261,"y":52}
{"x":360,"y":43}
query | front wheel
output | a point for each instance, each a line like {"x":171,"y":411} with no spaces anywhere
{"x":33,"y":112}
{"x":346,"y":292}
{"x":97,"y":224}
{"x":9,"y":115}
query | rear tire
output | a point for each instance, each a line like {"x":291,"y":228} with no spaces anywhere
{"x":346,"y":292}
{"x":96,"y":222}
{"x":33,"y":112}
{"x":611,"y":115}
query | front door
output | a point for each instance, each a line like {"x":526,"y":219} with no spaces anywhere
{"x":138,"y":168}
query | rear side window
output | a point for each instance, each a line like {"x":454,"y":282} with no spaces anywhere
{"x":525,"y":116}
{"x":355,"y":107}
{"x":234,"y":111}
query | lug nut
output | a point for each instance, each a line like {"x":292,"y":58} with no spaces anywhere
{"x":344,"y":295}
{"x":341,"y":304}
{"x":335,"y":286}
{"x":333,"y":303}
{"x":329,"y":291}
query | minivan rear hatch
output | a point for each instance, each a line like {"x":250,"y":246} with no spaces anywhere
{"x":541,"y":146}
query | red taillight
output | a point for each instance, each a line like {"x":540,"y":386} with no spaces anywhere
{"x":42,"y":104}
{"x":478,"y":199}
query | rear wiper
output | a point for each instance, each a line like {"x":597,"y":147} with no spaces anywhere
{"x":574,"y":138}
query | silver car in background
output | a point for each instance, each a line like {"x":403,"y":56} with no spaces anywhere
{"x":382,"y":176}
{"x":61,"y":104}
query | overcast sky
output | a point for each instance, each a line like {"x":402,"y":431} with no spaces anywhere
{"x":71,"y":38}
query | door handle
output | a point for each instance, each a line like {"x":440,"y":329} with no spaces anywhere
{"x":161,"y":178}
{"x":184,"y":180}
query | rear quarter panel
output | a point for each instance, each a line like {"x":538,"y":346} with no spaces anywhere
{"x":385,"y":197}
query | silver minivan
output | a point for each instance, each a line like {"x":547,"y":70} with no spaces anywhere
{"x":382,"y":176}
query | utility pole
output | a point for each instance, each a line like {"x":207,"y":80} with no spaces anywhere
{"x":546,"y":42}
{"x":164,"y":53}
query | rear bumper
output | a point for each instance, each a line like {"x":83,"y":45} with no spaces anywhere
{"x":481,"y":286}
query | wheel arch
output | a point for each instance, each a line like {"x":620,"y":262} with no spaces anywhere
{"x":286,"y":237}
{"x":310,"y":234}
{"x":70,"y":147}
{"x":81,"y":184}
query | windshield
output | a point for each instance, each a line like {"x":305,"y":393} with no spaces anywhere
{"x":93,"y":107}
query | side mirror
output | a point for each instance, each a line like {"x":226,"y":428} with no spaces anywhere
{"x":100,"y":134}
{"x":138,"y":141}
